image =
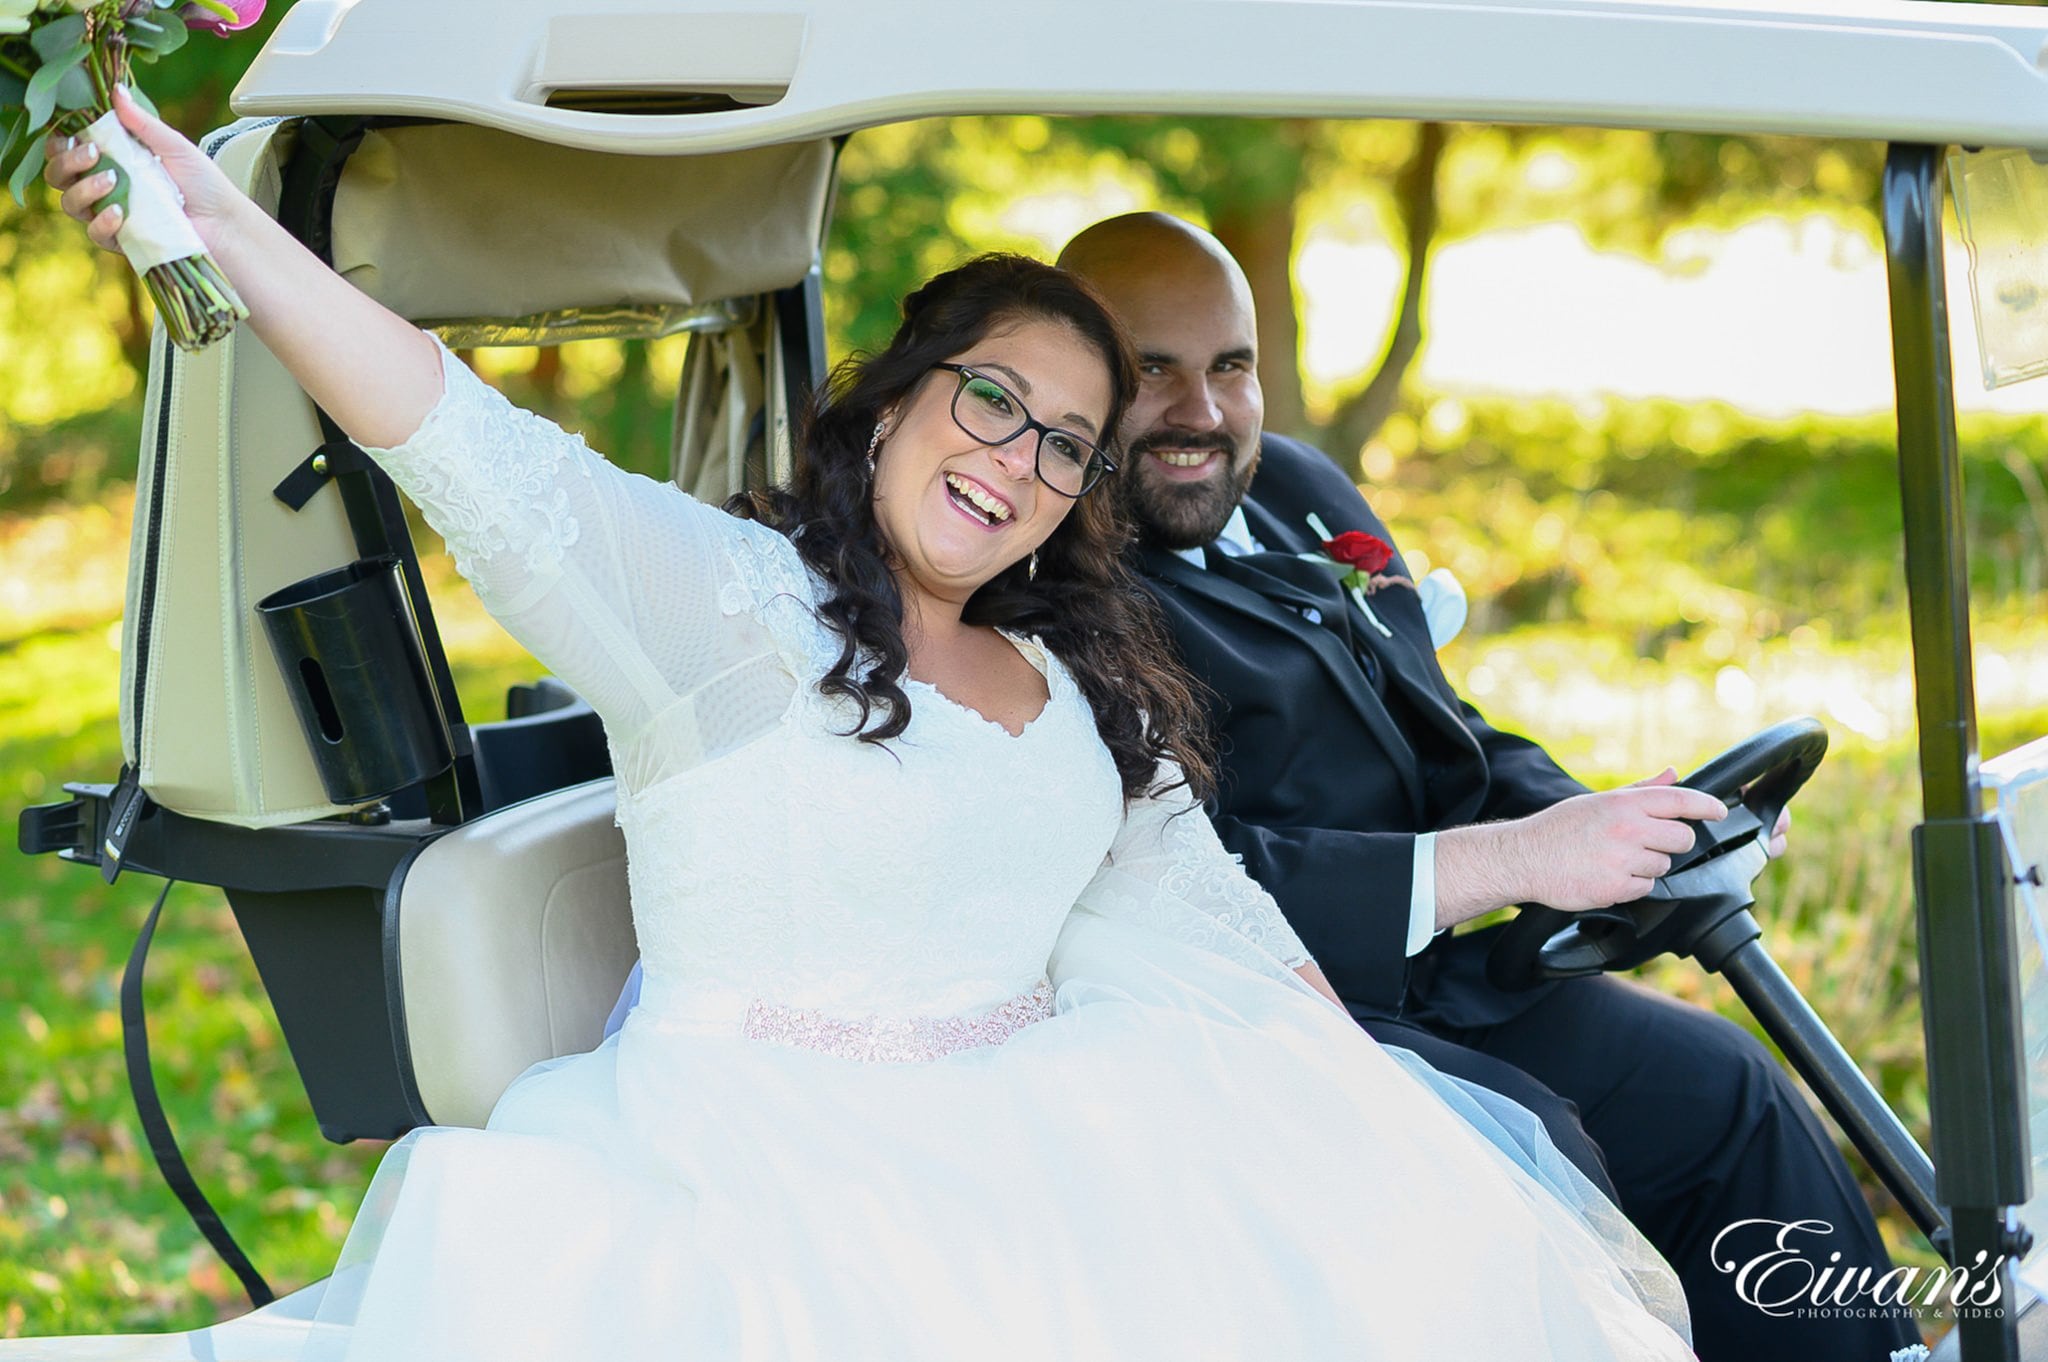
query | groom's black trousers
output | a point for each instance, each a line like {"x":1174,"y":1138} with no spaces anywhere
{"x":1691,"y":1125}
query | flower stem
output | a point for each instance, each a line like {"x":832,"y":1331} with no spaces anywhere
{"x":195,"y":300}
{"x":1358,"y":595}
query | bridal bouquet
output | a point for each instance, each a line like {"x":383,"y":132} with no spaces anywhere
{"x":59,"y":63}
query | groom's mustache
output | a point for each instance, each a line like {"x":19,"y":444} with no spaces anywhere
{"x":1172,"y":439}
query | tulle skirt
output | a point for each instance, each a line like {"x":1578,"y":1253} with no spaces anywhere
{"x":1187,"y":1160}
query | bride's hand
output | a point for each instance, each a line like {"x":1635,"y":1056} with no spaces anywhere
{"x":73,"y":169}
{"x":1312,"y":975}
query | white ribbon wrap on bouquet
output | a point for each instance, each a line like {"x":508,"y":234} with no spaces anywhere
{"x":156,"y":230}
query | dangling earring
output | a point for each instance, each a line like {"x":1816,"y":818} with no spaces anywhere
{"x":1031,"y":567}
{"x":874,"y":444}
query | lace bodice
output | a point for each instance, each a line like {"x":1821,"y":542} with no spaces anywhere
{"x":768,"y":853}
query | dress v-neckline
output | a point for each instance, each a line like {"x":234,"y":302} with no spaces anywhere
{"x":1035,"y":656}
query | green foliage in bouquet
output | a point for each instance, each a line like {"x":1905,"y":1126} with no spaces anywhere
{"x":60,"y":61}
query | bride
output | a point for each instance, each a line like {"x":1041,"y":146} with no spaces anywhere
{"x":961,"y":1037}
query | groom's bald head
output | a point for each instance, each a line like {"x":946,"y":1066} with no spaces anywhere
{"x":1137,"y":248}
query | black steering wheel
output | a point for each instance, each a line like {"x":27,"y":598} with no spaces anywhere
{"x":1755,"y":778}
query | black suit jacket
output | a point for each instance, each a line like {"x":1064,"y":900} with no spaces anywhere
{"x":1327,"y":777}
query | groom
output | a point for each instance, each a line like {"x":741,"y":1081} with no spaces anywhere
{"x":1380,"y":810}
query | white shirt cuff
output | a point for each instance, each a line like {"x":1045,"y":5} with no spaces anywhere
{"x":1422,"y":901}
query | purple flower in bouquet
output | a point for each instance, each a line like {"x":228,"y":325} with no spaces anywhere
{"x":221,"y":17}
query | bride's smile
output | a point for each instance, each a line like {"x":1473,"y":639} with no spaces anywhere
{"x":978,"y":503}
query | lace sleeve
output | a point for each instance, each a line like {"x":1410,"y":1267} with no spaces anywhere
{"x":1167,"y":871}
{"x":631,"y":591}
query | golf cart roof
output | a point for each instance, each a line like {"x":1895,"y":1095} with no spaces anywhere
{"x":669,"y":76}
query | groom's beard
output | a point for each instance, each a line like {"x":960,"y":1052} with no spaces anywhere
{"x":1184,"y":515}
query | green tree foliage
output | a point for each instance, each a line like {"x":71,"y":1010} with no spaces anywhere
{"x":1259,"y":183}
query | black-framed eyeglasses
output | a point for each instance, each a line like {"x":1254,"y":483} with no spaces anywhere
{"x":993,"y":415}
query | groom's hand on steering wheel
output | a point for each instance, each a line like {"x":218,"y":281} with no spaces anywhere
{"x":1780,"y":830}
{"x":1589,"y":851}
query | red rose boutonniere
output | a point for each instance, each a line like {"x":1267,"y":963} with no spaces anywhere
{"x":1359,"y":561}
{"x":1362,"y":552}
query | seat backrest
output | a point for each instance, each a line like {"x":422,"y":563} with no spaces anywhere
{"x":513,"y":939}
{"x":551,"y":739}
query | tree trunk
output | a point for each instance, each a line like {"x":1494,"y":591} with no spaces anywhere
{"x":1261,"y":236}
{"x":1367,"y":410}
{"x":546,"y":373}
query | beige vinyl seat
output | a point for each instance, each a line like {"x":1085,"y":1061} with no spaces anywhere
{"x":513,"y":937}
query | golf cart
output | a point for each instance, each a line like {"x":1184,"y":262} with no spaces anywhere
{"x":435,"y":904}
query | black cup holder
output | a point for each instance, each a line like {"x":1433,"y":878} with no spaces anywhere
{"x":349,"y":648}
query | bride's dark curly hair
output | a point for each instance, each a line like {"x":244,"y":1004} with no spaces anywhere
{"x":1085,"y":603}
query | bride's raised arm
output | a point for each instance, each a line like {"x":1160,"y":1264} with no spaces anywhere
{"x":626,"y":588}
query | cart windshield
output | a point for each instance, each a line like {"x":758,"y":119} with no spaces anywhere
{"x":2001,"y":196}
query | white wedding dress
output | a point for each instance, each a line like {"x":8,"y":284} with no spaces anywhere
{"x":944,"y":1052}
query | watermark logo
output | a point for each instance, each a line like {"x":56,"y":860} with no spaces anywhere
{"x":1784,"y":1268}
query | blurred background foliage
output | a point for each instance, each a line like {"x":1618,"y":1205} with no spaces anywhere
{"x":1651,"y":579}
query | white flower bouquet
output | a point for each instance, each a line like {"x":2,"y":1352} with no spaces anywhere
{"x":59,"y":63}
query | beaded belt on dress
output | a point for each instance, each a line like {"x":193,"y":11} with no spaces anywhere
{"x":895,"y":1040}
